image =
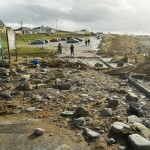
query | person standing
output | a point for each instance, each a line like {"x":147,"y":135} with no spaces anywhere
{"x":72,"y":49}
{"x":88,"y":41}
{"x":59,"y":48}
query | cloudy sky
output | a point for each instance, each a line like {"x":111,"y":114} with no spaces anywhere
{"x":125,"y":16}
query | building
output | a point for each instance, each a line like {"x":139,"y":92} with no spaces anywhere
{"x":84,"y":31}
{"x":43,"y":30}
{"x":23,"y":30}
{"x":2,"y":27}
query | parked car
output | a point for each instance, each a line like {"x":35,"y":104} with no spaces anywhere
{"x":72,"y":40}
{"x":36,"y":42}
{"x":98,"y":37}
{"x":63,"y":39}
{"x":79,"y":39}
{"x":54,"y":40}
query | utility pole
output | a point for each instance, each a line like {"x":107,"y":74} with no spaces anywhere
{"x":56,"y":24}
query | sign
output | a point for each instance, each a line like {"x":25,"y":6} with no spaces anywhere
{"x":11,"y":39}
{"x":0,"y":43}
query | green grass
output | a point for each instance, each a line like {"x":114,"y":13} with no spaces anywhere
{"x":22,"y":51}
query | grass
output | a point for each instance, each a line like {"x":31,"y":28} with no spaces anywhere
{"x":29,"y":51}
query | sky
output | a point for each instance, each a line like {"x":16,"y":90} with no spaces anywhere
{"x":118,"y":16}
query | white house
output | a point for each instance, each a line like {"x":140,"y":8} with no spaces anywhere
{"x":44,"y":30}
{"x":23,"y":30}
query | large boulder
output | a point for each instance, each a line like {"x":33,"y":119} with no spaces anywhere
{"x":39,"y":131}
{"x":138,"y":142}
{"x":119,"y":127}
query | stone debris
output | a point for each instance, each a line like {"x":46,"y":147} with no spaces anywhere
{"x":130,"y":96}
{"x":91,"y":134}
{"x":133,"y":118}
{"x":81,"y":112}
{"x":64,"y":147}
{"x":39,"y":131}
{"x":106,"y":112}
{"x":138,"y":142}
{"x":75,"y":98}
{"x":119,"y":127}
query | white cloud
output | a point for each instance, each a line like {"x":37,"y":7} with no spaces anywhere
{"x":95,"y":15}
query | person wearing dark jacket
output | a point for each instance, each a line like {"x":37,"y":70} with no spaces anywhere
{"x":72,"y":49}
{"x":59,"y":48}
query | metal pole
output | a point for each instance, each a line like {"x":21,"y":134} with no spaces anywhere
{"x":8,"y":45}
{"x":16,"y":48}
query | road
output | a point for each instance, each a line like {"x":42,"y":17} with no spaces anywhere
{"x":81,"y":50}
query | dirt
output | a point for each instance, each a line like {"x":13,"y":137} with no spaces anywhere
{"x":16,"y":130}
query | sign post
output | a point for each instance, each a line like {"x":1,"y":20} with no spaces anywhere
{"x":1,"y":48}
{"x":11,"y":42}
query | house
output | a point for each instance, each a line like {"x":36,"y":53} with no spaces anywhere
{"x":84,"y":31}
{"x":23,"y":30}
{"x":43,"y":30}
{"x":2,"y":27}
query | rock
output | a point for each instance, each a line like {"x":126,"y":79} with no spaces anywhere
{"x":7,"y":86}
{"x":84,"y":95}
{"x":64,"y":86}
{"x":113,"y":103}
{"x":120,"y":64}
{"x":4,"y":64}
{"x":106,"y":112}
{"x":79,"y":121}
{"x":122,"y":148}
{"x":52,"y":91}
{"x":98,"y":65}
{"x":133,"y":118}
{"x":144,"y":130}
{"x":91,"y":134}
{"x":67,"y":113}
{"x":25,"y":77}
{"x":16,"y":111}
{"x":147,"y":123}
{"x":37,"y":81}
{"x":39,"y":131}
{"x":119,"y":127}
{"x":81,"y":112}
{"x":30,"y":109}
{"x":38,"y":98}
{"x":111,"y":141}
{"x":25,"y":87}
{"x":20,"y":68}
{"x":88,"y":120}
{"x":138,"y":142}
{"x":6,"y":94}
{"x":135,"y":108}
{"x":130,"y":96}
{"x":63,"y":147}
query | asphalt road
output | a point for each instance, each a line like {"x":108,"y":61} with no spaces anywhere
{"x":80,"y":48}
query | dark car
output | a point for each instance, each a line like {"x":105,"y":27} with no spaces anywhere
{"x":54,"y":40}
{"x":63,"y":39}
{"x":72,"y":40}
{"x":36,"y":42}
{"x":79,"y":39}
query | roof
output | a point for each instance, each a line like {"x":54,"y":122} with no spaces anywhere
{"x":42,"y":27}
{"x":1,"y":23}
{"x":23,"y":29}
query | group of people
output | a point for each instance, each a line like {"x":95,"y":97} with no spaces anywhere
{"x":87,"y":42}
{"x":60,"y":49}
